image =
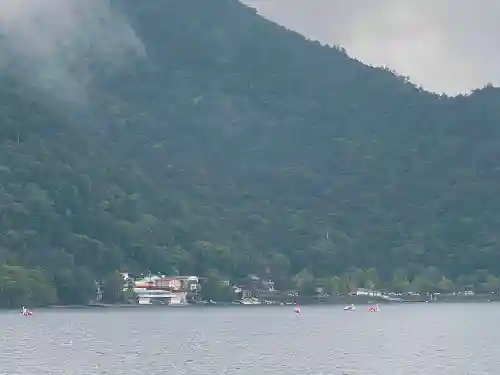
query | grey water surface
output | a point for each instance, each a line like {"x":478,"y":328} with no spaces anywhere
{"x":430,"y":339}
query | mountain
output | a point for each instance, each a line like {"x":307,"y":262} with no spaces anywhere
{"x":200,"y":137}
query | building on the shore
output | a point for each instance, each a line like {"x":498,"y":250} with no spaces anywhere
{"x":252,"y":286}
{"x":178,"y":283}
{"x":163,"y":290}
{"x":368,"y":292}
{"x":157,"y":297}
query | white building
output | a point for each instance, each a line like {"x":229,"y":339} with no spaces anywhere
{"x":161,"y":290}
{"x":368,"y":292}
{"x":159,"y":297}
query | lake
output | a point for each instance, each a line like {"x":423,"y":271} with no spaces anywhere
{"x":406,"y":339}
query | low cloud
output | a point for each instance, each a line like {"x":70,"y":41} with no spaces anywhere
{"x":55,"y":43}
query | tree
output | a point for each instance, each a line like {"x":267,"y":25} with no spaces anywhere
{"x":279,"y":267}
{"x":332,"y":285}
{"x":216,"y":288}
{"x":490,"y":285}
{"x":422,"y":285}
{"x":113,"y":285}
{"x":304,"y":283}
{"x":20,"y":286}
{"x":446,"y":286}
{"x":433,"y":274}
{"x":74,"y":286}
{"x":400,"y":283}
{"x":370,"y":278}
{"x":353,"y":278}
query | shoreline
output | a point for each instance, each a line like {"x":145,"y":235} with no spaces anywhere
{"x":301,"y":301}
{"x":238,"y":305}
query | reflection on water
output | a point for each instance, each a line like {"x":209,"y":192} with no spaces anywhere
{"x":426,"y":339}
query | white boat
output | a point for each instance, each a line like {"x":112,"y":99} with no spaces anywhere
{"x":26,"y":312}
{"x":350,"y":307}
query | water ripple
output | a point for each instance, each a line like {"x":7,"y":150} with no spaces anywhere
{"x":401,"y":339}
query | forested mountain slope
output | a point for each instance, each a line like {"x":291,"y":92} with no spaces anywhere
{"x":210,"y":140}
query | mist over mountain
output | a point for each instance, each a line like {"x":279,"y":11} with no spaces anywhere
{"x":201,"y":137}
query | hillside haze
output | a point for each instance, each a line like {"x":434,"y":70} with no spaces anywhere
{"x":199,"y":137}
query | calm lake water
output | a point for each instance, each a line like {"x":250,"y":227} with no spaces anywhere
{"x":429,"y":339}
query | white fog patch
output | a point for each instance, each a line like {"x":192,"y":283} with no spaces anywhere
{"x":58,"y":42}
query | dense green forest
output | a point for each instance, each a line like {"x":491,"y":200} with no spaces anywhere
{"x":227,"y":145}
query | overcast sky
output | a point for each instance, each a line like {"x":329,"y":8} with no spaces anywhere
{"x":444,"y":45}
